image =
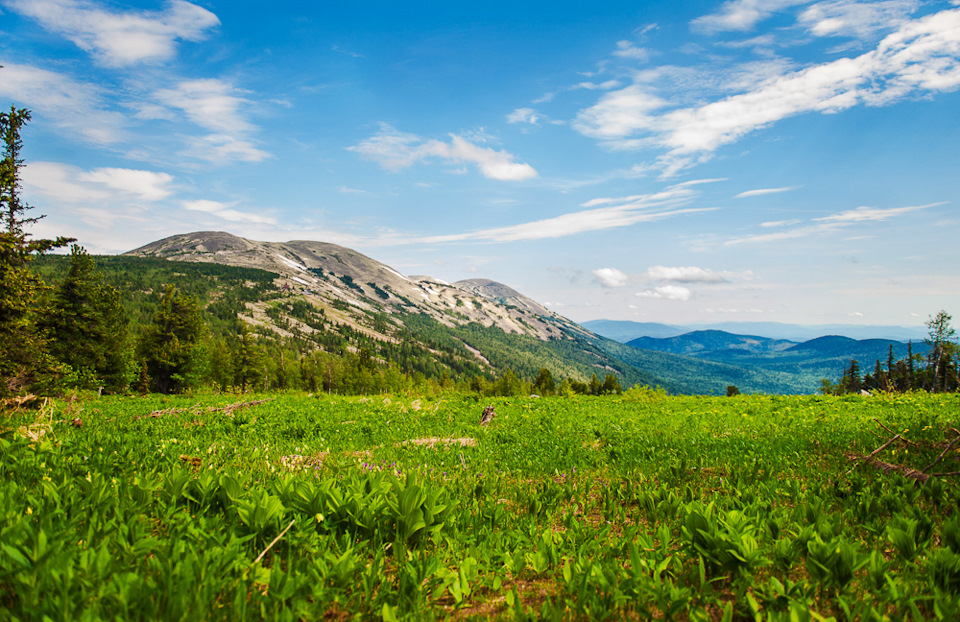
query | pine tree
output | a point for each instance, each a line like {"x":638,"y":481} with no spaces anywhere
{"x":940,"y":341}
{"x":24,"y":361}
{"x":248,"y":359}
{"x":171,"y":345}
{"x":544,"y":384}
{"x":611,"y":386}
{"x":87,"y":327}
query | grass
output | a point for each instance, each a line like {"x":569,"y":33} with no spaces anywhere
{"x":293,"y":506}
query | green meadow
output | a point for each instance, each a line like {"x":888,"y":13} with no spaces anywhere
{"x":640,"y":506}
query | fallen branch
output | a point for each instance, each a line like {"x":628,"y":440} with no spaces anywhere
{"x":160,"y":413}
{"x":886,"y":467}
{"x":229,"y":408}
{"x":270,"y":546}
{"x":942,"y":454}
{"x":873,"y":453}
{"x":905,"y":440}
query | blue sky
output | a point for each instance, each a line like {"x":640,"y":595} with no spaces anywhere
{"x":681,"y":162}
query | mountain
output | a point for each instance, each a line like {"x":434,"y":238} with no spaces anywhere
{"x":332,"y":276}
{"x":473,"y":326}
{"x":625,"y":331}
{"x":801,"y":366}
{"x":329,"y":297}
{"x":703,"y":342}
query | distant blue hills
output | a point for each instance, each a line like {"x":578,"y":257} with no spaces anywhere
{"x":625,"y":331}
{"x":767,"y":357}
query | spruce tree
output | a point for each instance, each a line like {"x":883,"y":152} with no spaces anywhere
{"x":24,"y":360}
{"x":171,"y":345}
{"x":87,"y":327}
{"x":248,"y":359}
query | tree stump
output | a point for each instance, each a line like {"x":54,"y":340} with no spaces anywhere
{"x":488,"y":414}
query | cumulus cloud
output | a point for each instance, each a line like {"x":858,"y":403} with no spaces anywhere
{"x":394,"y":150}
{"x":72,"y":184}
{"x":120,"y":38}
{"x":687,"y":274}
{"x":667,"y":292}
{"x":74,"y":106}
{"x":611,"y":277}
{"x":921,"y":57}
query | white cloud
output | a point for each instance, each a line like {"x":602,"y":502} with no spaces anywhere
{"x":395,"y":150}
{"x":146,"y":185}
{"x":79,"y":108}
{"x":741,"y":14}
{"x":764,"y":191}
{"x":642,"y":208}
{"x":223,"y":211}
{"x":216,"y":106}
{"x":781,"y":223}
{"x":688,"y":274}
{"x":524,"y":115}
{"x":855,"y":19}
{"x":667,"y":292}
{"x":223,"y":149}
{"x":210,"y":103}
{"x":120,"y":38}
{"x":626,"y":49}
{"x":71,"y":184}
{"x":871,"y":214}
{"x":611,"y":277}
{"x":921,"y":57}
{"x":831,"y":223}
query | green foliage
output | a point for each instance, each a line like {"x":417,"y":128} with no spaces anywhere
{"x":24,"y":360}
{"x":171,"y":345}
{"x":643,"y":505}
{"x":87,"y":328}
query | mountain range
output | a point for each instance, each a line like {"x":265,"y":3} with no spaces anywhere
{"x":488,"y":327}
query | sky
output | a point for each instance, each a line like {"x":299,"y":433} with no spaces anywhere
{"x":673,"y":161}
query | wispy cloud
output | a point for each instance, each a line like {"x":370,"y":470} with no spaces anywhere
{"x":764,"y":191}
{"x":120,"y":38}
{"x":668,"y":203}
{"x":394,"y":150}
{"x":741,"y":14}
{"x":922,"y":56}
{"x":854,"y":18}
{"x":224,"y":211}
{"x":216,"y":106}
{"x":872,"y":214}
{"x":827,"y":224}
{"x":524,"y":115}
{"x":74,"y":106}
